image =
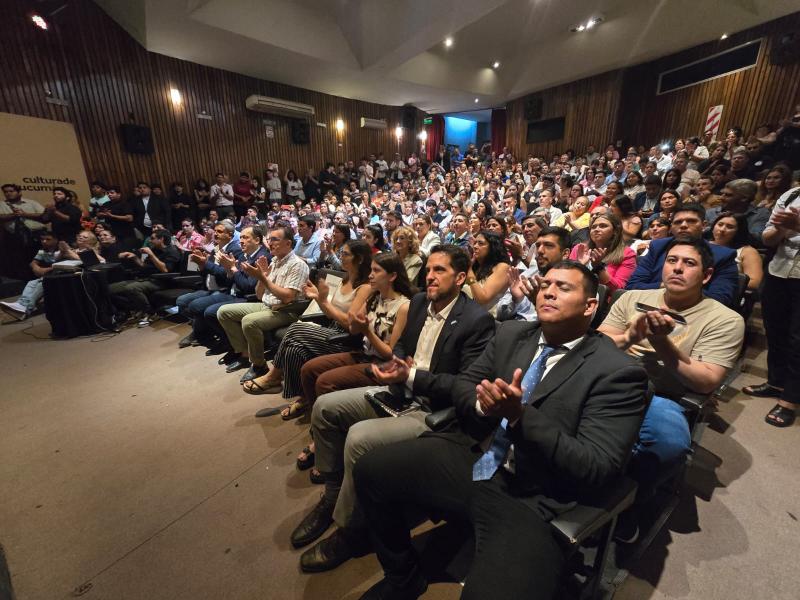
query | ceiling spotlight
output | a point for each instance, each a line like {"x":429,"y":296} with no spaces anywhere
{"x":496,"y":64}
{"x":581,"y":27}
{"x":587,"y":25}
{"x":339,"y":125}
{"x":476,"y":100}
{"x":39,"y":22}
{"x":423,"y":135}
{"x":448,"y":41}
{"x":398,"y":132}
{"x":724,"y":36}
{"x":590,"y":23}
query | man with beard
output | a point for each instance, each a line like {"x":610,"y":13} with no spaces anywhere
{"x":445,"y":333}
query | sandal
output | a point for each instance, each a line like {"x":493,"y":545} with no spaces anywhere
{"x":316,"y":477}
{"x":780,"y":416}
{"x":763,"y":390}
{"x":256,"y":389}
{"x":294,"y":410}
{"x":307,"y":462}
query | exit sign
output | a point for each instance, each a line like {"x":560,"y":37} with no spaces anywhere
{"x":427,"y":121}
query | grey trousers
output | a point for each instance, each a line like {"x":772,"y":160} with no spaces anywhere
{"x":345,"y":426}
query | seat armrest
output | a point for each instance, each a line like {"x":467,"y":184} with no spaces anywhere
{"x":578,"y":523}
{"x":350,"y":340}
{"x":436,"y":421}
{"x":693,"y":401}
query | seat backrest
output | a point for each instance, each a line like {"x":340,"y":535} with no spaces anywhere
{"x":422,"y":274}
{"x":741,"y":289}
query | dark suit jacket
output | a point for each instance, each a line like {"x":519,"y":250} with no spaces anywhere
{"x":722,"y":287}
{"x":463,"y":337}
{"x":218,"y":271}
{"x":158,"y":208}
{"x":576,"y":434}
{"x":245,"y":284}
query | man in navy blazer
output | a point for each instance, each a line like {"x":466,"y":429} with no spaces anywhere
{"x":688,"y":222}
{"x":215,"y":283}
{"x":566,"y":405}
{"x":445,"y":333}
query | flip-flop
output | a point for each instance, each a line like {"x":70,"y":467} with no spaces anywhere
{"x":254,"y":388}
{"x":294,"y":410}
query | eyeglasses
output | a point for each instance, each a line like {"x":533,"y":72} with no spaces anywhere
{"x":275,"y":239}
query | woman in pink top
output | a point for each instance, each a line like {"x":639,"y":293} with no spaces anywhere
{"x":606,"y":252}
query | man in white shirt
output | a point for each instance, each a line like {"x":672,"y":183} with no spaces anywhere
{"x":280,"y":285}
{"x":222,"y":196}
{"x":546,"y":202}
{"x":445,"y":332}
{"x":397,"y":167}
{"x":381,"y":169}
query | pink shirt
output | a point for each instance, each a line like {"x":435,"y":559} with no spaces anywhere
{"x":618,"y":274}
{"x":189,"y":243}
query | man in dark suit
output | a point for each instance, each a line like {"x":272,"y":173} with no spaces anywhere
{"x":547,"y":416}
{"x":688,"y":223}
{"x":216,"y":284}
{"x":446,"y":331}
{"x":149,"y":209}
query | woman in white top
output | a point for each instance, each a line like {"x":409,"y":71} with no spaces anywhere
{"x":406,"y":245}
{"x":294,"y":187}
{"x":487,"y":279}
{"x":731,"y":231}
{"x":304,"y":341}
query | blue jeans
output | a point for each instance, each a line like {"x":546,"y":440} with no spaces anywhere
{"x":201,"y":306}
{"x":664,"y":440}
{"x":33,"y":292}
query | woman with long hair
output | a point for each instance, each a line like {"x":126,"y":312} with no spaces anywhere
{"x":672,"y":181}
{"x":294,"y":187}
{"x":332,"y":246}
{"x":668,"y":202}
{"x":658,"y":228}
{"x":622,"y":207}
{"x":606,"y":252}
{"x":202,"y":194}
{"x":772,"y":186}
{"x":373,"y":235}
{"x":305,"y":341}
{"x":577,"y":217}
{"x":487,"y":278}
{"x":634,"y":184}
{"x":406,"y":245}
{"x":731,"y":231}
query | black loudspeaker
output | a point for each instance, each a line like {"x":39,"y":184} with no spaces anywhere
{"x":785,"y":49}
{"x":301,"y":132}
{"x":533,"y":108}
{"x":410,"y":118}
{"x":136,"y":139}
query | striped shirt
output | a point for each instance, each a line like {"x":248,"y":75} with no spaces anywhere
{"x":291,"y":272}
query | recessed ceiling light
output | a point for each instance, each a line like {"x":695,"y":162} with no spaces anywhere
{"x":590,"y":23}
{"x":448,"y":41}
{"x":581,"y":27}
{"x":495,"y":64}
{"x":724,"y":36}
{"x":476,"y":100}
{"x":39,"y":22}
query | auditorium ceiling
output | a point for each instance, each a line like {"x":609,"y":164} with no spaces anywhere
{"x":393,"y":51}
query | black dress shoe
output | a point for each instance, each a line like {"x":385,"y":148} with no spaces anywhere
{"x":335,"y":550}
{"x":229,"y":357}
{"x":253,"y":372}
{"x":384,"y":590}
{"x":314,"y":524}
{"x":187,"y":341}
{"x":217,"y":348}
{"x":239,"y":363}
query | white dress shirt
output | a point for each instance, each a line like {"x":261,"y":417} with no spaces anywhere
{"x":434,"y":323}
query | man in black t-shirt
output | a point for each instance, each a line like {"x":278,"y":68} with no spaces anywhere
{"x":134,"y":296}
{"x":119,"y":216}
{"x":63,"y":216}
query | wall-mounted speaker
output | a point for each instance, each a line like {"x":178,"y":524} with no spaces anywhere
{"x":785,"y":49}
{"x":409,"y":118}
{"x":533,"y":108}
{"x":136,"y":139}
{"x":301,"y":133}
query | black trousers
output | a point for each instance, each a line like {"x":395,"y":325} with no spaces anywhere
{"x":516,"y":553}
{"x":780,"y":305}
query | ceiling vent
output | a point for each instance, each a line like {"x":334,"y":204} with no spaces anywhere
{"x":276,"y":106}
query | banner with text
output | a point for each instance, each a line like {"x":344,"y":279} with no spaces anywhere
{"x":39,"y":154}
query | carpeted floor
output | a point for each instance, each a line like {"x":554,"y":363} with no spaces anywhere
{"x":134,"y":470}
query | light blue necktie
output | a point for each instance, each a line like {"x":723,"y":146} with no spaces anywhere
{"x":487,"y":465}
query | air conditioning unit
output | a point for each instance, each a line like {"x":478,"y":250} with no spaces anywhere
{"x":276,"y":106}
{"x":373,"y":123}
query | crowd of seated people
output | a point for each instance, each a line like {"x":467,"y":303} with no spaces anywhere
{"x":471,"y":283}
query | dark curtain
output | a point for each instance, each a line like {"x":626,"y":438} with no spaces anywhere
{"x":498,"y":129}
{"x":435,"y":137}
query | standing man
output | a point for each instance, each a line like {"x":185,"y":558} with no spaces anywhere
{"x":280,"y":285}
{"x":22,"y":220}
{"x":222,"y":196}
{"x":64,"y":217}
{"x":547,"y":417}
{"x":149,"y":209}
{"x":99,"y":197}
{"x":119,"y":216}
{"x":446,"y":331}
{"x":459,"y":232}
